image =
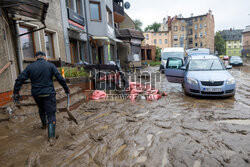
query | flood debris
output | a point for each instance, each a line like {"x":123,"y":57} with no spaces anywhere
{"x":98,"y":94}
{"x":147,"y":91}
{"x":168,"y":132}
{"x":33,"y":160}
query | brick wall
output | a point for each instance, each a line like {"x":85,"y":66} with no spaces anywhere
{"x":5,"y":98}
{"x":148,"y":47}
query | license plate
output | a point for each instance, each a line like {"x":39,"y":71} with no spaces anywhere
{"x":212,"y":90}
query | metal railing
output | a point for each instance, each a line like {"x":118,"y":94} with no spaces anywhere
{"x":118,"y":9}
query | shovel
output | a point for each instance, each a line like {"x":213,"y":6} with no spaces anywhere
{"x":69,"y":113}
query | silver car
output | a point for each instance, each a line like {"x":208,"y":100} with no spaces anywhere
{"x":202,"y":75}
{"x":236,"y":60}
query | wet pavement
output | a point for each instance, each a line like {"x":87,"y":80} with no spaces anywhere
{"x":176,"y":130}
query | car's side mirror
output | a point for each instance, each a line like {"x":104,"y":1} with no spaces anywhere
{"x":229,"y":67}
{"x":183,"y":68}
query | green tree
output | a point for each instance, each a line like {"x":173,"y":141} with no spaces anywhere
{"x":158,"y":53}
{"x":155,"y":27}
{"x":219,"y":44}
{"x":138,"y":24}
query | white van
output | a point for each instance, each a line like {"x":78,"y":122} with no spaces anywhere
{"x":177,"y":52}
{"x":198,"y":51}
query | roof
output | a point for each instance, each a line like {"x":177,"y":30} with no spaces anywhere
{"x":247,"y":29}
{"x":29,"y":8}
{"x":130,"y":33}
{"x":231,"y":35}
{"x":203,"y":57}
{"x":175,"y":49}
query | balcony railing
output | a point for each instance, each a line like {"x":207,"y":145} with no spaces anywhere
{"x":118,"y":9}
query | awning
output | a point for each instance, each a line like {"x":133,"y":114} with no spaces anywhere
{"x":116,"y":40}
{"x":30,"y":8}
{"x":100,"y":38}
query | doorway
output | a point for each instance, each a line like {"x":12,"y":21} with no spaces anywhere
{"x":100,"y":55}
{"x":73,"y":52}
{"x":149,"y":55}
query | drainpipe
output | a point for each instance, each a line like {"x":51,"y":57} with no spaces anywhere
{"x":87,"y":31}
{"x":18,"y":47}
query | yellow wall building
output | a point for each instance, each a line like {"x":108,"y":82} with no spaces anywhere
{"x":161,"y":39}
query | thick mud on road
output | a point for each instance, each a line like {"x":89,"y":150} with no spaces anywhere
{"x":174,"y":131}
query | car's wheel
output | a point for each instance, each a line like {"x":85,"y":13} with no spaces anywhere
{"x":232,"y":95}
{"x":184,"y":89}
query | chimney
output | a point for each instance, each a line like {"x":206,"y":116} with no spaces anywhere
{"x":230,"y":29}
{"x":164,"y":20}
{"x":169,"y":23}
{"x":192,"y":15}
{"x":210,"y":11}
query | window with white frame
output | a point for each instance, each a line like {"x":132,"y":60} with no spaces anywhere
{"x":160,"y":41}
{"x":95,"y":11}
{"x":201,"y":34}
{"x":201,"y":26}
{"x":155,"y":41}
{"x":195,"y":36}
{"x":27,"y":42}
{"x":166,"y":41}
{"x":79,"y":7}
{"x":195,"y":27}
{"x":182,"y":28}
{"x":49,"y":45}
{"x":147,"y":37}
{"x":109,"y":17}
{"x":175,"y":37}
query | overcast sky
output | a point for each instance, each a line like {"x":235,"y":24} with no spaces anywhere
{"x":227,"y":13}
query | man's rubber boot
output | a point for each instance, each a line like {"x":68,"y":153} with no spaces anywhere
{"x":51,"y":133}
{"x":44,"y":122}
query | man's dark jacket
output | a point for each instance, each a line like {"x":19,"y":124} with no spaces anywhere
{"x":41,"y":75}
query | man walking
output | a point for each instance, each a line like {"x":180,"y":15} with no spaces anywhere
{"x":41,"y":74}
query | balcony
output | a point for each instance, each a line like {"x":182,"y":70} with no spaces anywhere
{"x":119,"y":14}
{"x":75,"y":20}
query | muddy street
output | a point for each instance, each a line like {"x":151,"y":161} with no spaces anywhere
{"x":176,"y":130}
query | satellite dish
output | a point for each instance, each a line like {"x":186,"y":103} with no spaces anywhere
{"x":126,"y":5}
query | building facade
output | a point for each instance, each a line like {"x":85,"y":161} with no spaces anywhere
{"x":246,"y":41}
{"x":233,"y":39}
{"x":200,"y":31}
{"x":89,"y":30}
{"x":74,"y":30}
{"x":191,"y":32}
{"x":24,"y":33}
{"x":161,"y":39}
{"x":179,"y":33}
